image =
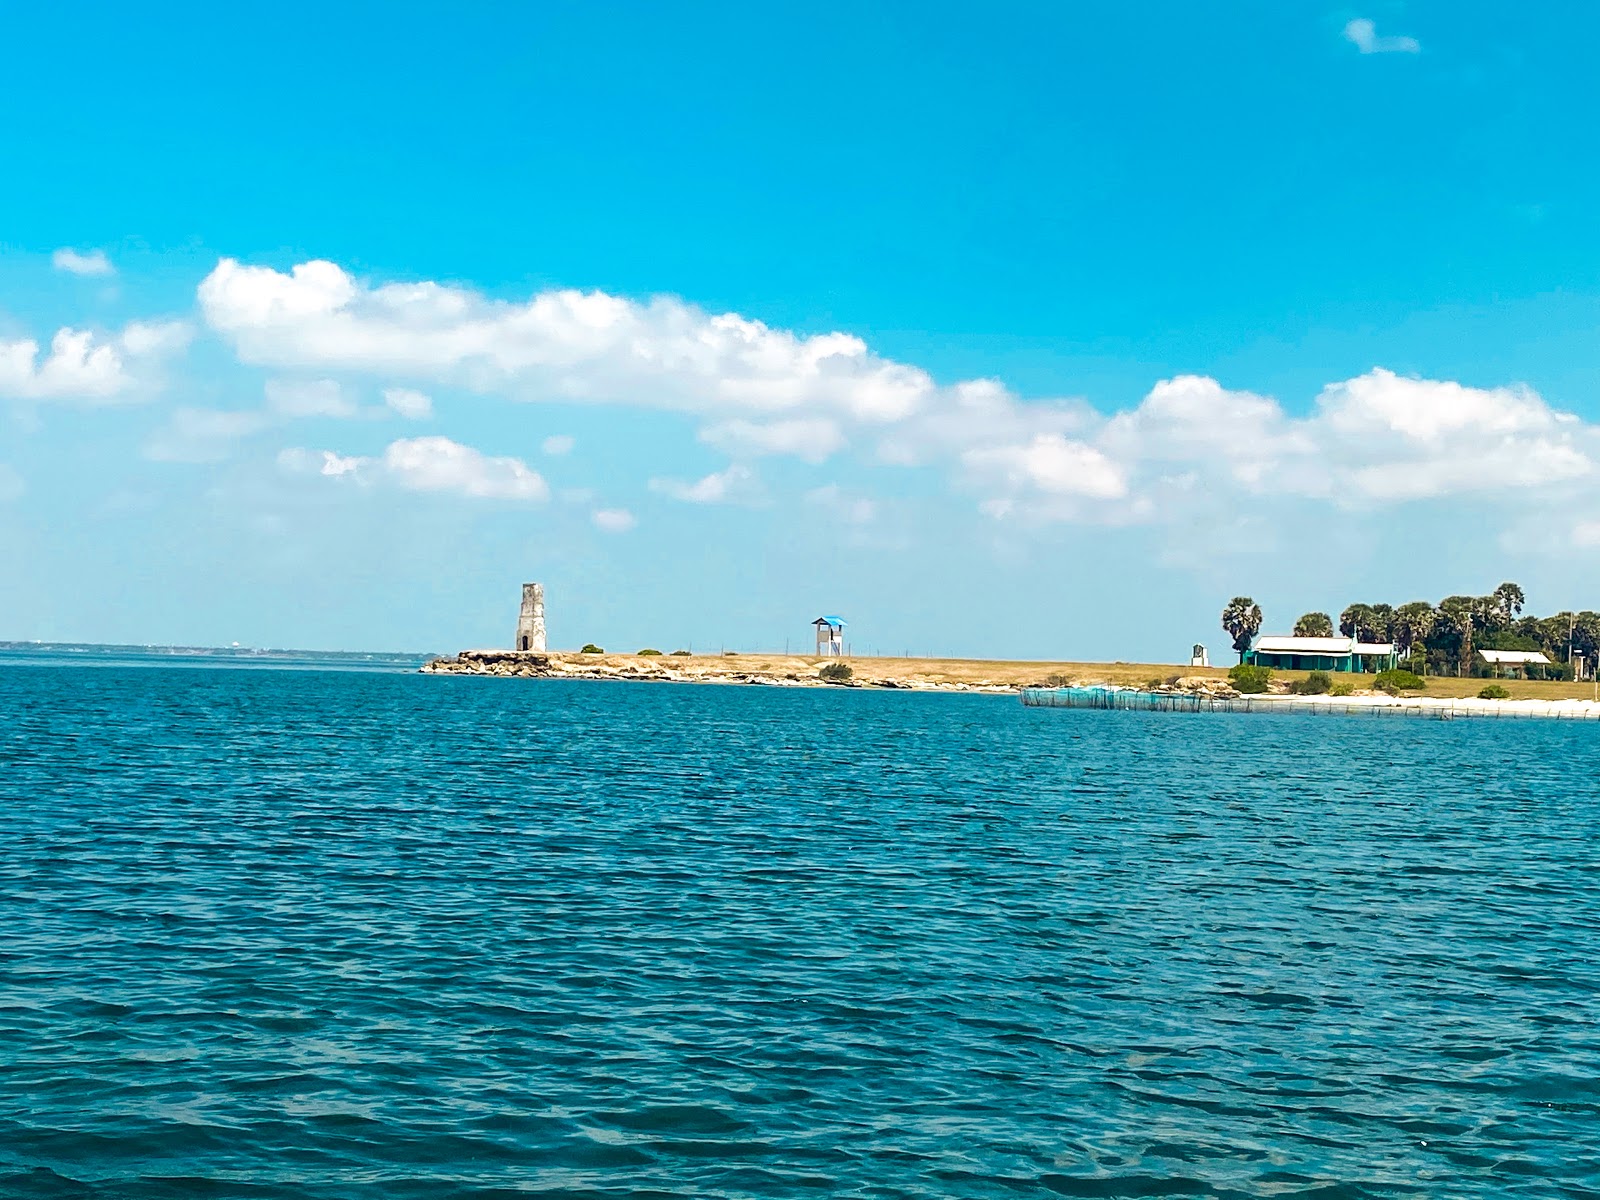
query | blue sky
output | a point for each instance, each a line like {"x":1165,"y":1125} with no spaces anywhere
{"x":1040,"y":330}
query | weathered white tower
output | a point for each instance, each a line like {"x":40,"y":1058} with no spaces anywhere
{"x":530,"y":623}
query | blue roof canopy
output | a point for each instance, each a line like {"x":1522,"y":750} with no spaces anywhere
{"x":836,"y":622}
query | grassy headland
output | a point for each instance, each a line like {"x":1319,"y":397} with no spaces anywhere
{"x":923,"y":673}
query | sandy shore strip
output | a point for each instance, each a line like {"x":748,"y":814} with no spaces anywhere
{"x":1364,"y":705}
{"x":1467,"y":706}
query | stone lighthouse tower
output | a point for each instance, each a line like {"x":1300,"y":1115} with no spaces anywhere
{"x":530,"y":622}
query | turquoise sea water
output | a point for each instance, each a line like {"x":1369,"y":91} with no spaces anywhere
{"x":342,"y":934}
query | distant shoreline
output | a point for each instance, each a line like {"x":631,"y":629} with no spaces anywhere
{"x":915,"y":674}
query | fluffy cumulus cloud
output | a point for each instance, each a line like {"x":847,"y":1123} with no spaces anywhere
{"x":563,"y":345}
{"x":1363,"y":34}
{"x":427,"y":464}
{"x":75,"y":262}
{"x":754,"y":391}
{"x":80,"y":365}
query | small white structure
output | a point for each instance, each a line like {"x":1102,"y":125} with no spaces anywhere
{"x":830,"y":637}
{"x":1514,"y":662}
{"x":530,"y":621}
{"x":1197,"y":656}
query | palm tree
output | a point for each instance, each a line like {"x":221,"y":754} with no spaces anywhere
{"x":1382,"y":628}
{"x":1314,"y":624}
{"x":1355,"y":621}
{"x":1462,"y":613}
{"x":1241,"y":620}
{"x":1412,"y":624}
{"x":1508,"y":601}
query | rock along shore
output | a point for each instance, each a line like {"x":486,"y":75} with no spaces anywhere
{"x":763,"y":671}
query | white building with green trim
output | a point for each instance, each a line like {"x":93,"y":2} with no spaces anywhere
{"x":1321,"y":654}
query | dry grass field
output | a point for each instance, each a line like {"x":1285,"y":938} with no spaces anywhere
{"x":975,"y":672}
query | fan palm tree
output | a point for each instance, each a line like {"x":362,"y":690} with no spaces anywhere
{"x":1355,"y":621}
{"x":1505,"y":603}
{"x":1462,"y":614}
{"x":1241,"y":620}
{"x":1412,"y":624}
{"x":1314,"y":624}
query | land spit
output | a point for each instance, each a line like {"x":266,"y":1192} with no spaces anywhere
{"x":761,"y":670}
{"x":949,"y":675}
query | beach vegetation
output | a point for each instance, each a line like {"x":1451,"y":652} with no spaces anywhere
{"x":591,"y":648}
{"x":1399,"y":680}
{"x":1314,"y":624}
{"x":1318,"y":683}
{"x":680,"y":654}
{"x":1057,"y":680}
{"x":1494,"y":692}
{"x":1250,"y":680}
{"x":1241,"y":620}
{"x":836,"y":672}
{"x":1445,"y":638}
{"x":1343,"y":688}
{"x":657,"y":653}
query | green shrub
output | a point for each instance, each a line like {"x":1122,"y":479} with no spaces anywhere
{"x":591,"y":648}
{"x":1494,"y":692}
{"x":1248,"y":679}
{"x":1343,"y":688}
{"x":1058,"y":681}
{"x":680,"y":654}
{"x":657,"y":653}
{"x":836,"y":672}
{"x":1398,"y":681}
{"x":1318,"y":683}
{"x":1151,"y":685}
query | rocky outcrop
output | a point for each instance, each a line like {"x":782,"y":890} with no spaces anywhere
{"x":769,"y":672}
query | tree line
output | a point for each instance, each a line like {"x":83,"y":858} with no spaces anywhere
{"x":1442,"y":638}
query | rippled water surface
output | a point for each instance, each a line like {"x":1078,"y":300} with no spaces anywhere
{"x":322,"y":934}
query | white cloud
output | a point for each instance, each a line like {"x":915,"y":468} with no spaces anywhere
{"x":426,"y":464}
{"x":409,"y":403}
{"x":12,"y":485}
{"x":1054,"y":465}
{"x":81,"y":365}
{"x":720,"y":487}
{"x":614,"y":520}
{"x":94,"y":263}
{"x":292,"y":399}
{"x":568,"y":345}
{"x":1363,"y":34}
{"x":1190,"y":444}
{"x":558,"y":444}
{"x":810,"y":438}
{"x":436,"y":464}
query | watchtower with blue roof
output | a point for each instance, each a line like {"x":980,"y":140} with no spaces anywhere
{"x":830,"y":637}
